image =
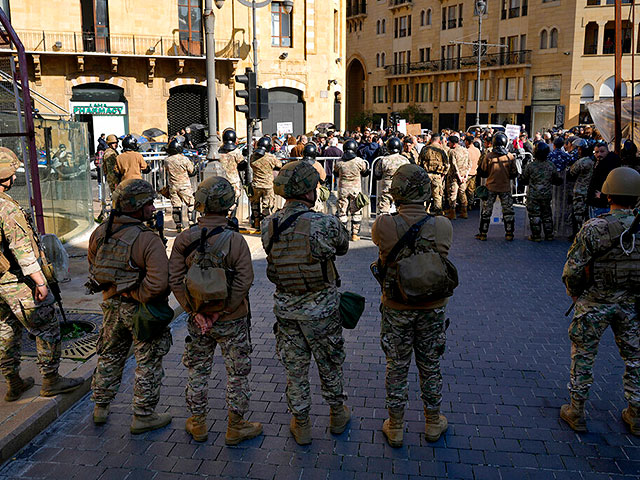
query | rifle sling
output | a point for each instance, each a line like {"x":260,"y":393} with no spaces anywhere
{"x":194,"y":245}
{"x":409,"y":238}
{"x":278,"y":229}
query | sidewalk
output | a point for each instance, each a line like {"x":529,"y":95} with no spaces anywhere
{"x":505,"y":374}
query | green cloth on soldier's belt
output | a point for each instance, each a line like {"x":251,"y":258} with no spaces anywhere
{"x":151,"y":319}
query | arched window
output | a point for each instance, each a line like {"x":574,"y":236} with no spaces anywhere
{"x":384,"y":26}
{"x":378,"y":27}
{"x":606,"y":89}
{"x":553,"y":38}
{"x":586,"y":95}
{"x":377,"y":59}
{"x":428,"y":21}
{"x":423,"y":18}
{"x":382,"y":59}
{"x":543,"y":39}
{"x":591,"y":38}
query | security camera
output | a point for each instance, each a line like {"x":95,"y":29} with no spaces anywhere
{"x":283,"y":55}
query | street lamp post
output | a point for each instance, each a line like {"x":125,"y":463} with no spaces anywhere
{"x":480,"y":8}
{"x":209,"y":25}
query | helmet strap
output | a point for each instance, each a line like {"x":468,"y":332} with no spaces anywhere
{"x":7,"y":187}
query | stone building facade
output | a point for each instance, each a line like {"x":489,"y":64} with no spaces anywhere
{"x":544,"y":60}
{"x":128,"y":65}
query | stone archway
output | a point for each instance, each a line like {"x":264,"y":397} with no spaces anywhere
{"x":356,"y":75}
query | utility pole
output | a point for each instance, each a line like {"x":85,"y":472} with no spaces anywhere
{"x":210,"y":46}
{"x":617,"y":92}
{"x":480,"y":8}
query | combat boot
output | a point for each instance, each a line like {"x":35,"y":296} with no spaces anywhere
{"x":534,"y":239}
{"x":451,"y":214}
{"x":393,"y":428}
{"x":354,"y":237}
{"x":100,"y":413}
{"x":197,"y":427}
{"x":16,"y":386}
{"x":239,"y":430}
{"x":301,"y":430}
{"x":463,"y":212}
{"x":339,"y":419}
{"x":146,"y":423}
{"x":53,"y":385}
{"x":483,"y":229}
{"x":631,"y":416}
{"x":508,"y":230}
{"x":435,"y":424}
{"x":573,"y":414}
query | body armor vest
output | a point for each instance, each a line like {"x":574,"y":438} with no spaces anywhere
{"x":112,"y":265}
{"x":615,"y":269}
{"x":7,"y":261}
{"x":291,"y":267}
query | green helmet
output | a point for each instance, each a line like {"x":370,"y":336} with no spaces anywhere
{"x":410,"y":184}
{"x":9,"y":163}
{"x":296,"y":179}
{"x":622,"y":181}
{"x":133,"y":194}
{"x":214,"y":195}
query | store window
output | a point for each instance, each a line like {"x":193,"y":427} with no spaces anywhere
{"x":280,"y":26}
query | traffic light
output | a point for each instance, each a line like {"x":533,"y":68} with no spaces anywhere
{"x":250,"y":94}
{"x":263,"y":103}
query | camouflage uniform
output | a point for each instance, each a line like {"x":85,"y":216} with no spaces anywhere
{"x":540,"y":175}
{"x":308,"y":323}
{"x":498,"y":169}
{"x":230,"y":162}
{"x":412,"y":155}
{"x":436,"y":163}
{"x":582,"y":170}
{"x":109,"y":166}
{"x":457,"y":177}
{"x":385,"y":168}
{"x":350,"y":185}
{"x":179,"y":168}
{"x":263,"y":199}
{"x":602,"y":304}
{"x":18,"y":308}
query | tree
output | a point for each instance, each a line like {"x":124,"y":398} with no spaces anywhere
{"x":362,"y":119}
{"x":413,"y":113}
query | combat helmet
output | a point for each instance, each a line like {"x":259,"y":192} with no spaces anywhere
{"x":133,"y":194}
{"x":129,"y":143}
{"x":350,"y":149}
{"x":541,"y":150}
{"x":500,"y":142}
{"x":111,"y":138}
{"x":229,"y":138}
{"x":624,"y":181}
{"x":394,"y":145}
{"x":310,"y":151}
{"x":214,"y":195}
{"x":296,"y":179}
{"x":175,"y":147}
{"x":9,"y":163}
{"x":410,"y":184}
{"x":263,"y":145}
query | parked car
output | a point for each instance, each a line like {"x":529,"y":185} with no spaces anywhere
{"x":471,"y":130}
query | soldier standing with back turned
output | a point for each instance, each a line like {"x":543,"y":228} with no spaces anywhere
{"x":435,"y":161}
{"x":602,"y":276}
{"x":263,"y":165}
{"x":384,"y":170}
{"x":109,"y":162}
{"x":179,"y":170}
{"x":350,"y":170}
{"x":301,"y":245}
{"x":128,"y":263}
{"x":25,"y":300}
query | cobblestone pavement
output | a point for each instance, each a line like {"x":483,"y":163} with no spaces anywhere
{"x":505,"y":375}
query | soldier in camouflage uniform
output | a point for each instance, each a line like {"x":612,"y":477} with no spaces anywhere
{"x":301,"y":245}
{"x":128,"y":263}
{"x":411,"y":327}
{"x":179,"y":170}
{"x":109,"y":162}
{"x":231,"y":160}
{"x":540,"y":175}
{"x":581,"y":171}
{"x":263,"y":165}
{"x":384,"y":169}
{"x":350,"y":170}
{"x":25,"y":301}
{"x":435,"y":161}
{"x":227,"y":325}
{"x":603,"y":279}
{"x":457,"y":177}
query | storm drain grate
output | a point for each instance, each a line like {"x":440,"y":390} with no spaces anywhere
{"x":80,"y":348}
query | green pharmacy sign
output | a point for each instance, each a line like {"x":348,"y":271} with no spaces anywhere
{"x":109,"y":109}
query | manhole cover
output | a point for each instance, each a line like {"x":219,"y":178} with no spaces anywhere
{"x":80,"y":336}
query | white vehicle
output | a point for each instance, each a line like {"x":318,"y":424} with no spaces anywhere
{"x":498,"y":128}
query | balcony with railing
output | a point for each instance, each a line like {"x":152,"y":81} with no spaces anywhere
{"x":502,"y":60}
{"x":137,"y":45}
{"x":396,"y":4}
{"x":356,"y":8}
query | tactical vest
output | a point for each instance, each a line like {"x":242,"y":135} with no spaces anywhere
{"x":7,"y":260}
{"x":112,"y":265}
{"x":615,"y":269}
{"x":291,"y":267}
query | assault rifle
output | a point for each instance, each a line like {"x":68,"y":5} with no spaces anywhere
{"x":159,"y":225}
{"x":626,"y":238}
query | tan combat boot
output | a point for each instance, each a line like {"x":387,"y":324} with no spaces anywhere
{"x":197,"y":427}
{"x":573,"y":414}
{"x":451,"y":214}
{"x":393,"y":428}
{"x":354,"y":237}
{"x":631,"y":416}
{"x":100,"y":413}
{"x":53,"y":385}
{"x":16,"y":386}
{"x":339,"y":419}
{"x":301,"y":430}
{"x":435,"y":424}
{"x":463,"y":212}
{"x":239,"y":430}
{"x":146,"y":423}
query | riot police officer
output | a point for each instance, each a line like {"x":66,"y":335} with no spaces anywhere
{"x":179,"y":170}
{"x":231,"y":160}
{"x":130,"y":164}
{"x":350,"y":170}
{"x":384,"y":170}
{"x":263,"y":164}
